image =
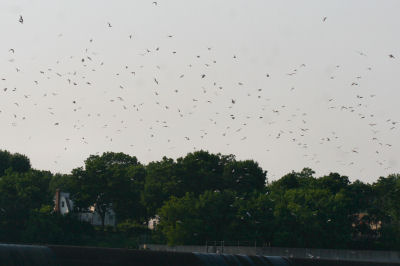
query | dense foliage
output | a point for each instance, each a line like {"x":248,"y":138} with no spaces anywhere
{"x":198,"y":198}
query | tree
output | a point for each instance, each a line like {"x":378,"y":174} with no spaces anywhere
{"x":254,"y":220}
{"x":194,"y":220}
{"x":104,"y":182}
{"x":244,"y":177}
{"x":5,"y":159}
{"x":386,"y":212}
{"x":131,"y":207}
{"x":161,"y":183}
{"x":18,"y":162}
{"x":20,"y":194}
{"x":334,"y":182}
{"x":63,"y":182}
{"x":200,"y":171}
{"x":179,"y":220}
{"x":47,"y":227}
{"x":314,"y":212}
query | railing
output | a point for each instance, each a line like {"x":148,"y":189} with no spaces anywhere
{"x":218,"y":246}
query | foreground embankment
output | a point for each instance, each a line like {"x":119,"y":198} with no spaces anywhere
{"x":23,"y":255}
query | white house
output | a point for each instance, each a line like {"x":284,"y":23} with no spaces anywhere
{"x":64,"y":205}
{"x":153,"y":222}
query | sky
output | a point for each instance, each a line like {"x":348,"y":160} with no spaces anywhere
{"x":289,"y":84}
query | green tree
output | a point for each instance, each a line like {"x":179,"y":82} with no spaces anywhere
{"x":194,"y":220}
{"x":161,"y":182}
{"x":386,"y":212}
{"x":16,"y":161}
{"x":47,"y":227}
{"x":244,"y":177}
{"x":20,"y":194}
{"x":334,"y":182}
{"x":5,"y":161}
{"x":64,"y":182}
{"x":179,"y":221}
{"x":294,"y":180}
{"x":200,"y":171}
{"x":254,"y":219}
{"x":104,"y":183}
{"x":131,"y":206}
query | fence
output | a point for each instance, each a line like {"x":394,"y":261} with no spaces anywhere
{"x":301,"y":253}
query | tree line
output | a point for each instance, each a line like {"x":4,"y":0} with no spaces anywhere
{"x":198,"y":198}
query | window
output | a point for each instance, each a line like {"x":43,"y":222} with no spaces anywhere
{"x":62,"y":204}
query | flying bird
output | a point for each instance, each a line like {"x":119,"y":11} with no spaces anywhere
{"x":324,"y":19}
{"x":361,"y":53}
{"x":21,"y":19}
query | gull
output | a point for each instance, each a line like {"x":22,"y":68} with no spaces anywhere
{"x":391,"y":56}
{"x":155,"y":3}
{"x":21,"y":19}
{"x":109,"y":24}
{"x":12,"y":50}
{"x":324,"y":19}
{"x":361,"y":53}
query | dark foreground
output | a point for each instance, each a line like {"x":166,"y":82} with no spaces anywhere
{"x":64,"y":255}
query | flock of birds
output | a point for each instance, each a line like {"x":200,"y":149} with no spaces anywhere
{"x":212,"y":100}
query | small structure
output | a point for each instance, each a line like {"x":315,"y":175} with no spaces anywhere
{"x":65,"y":205}
{"x":153,"y":222}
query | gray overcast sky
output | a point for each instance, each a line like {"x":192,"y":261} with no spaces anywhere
{"x":306,"y":92}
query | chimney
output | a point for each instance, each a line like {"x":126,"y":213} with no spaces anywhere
{"x":57,"y":201}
